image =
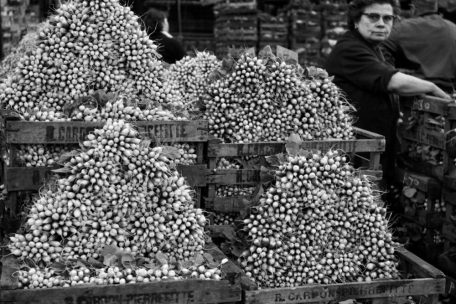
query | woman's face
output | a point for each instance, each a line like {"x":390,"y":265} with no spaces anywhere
{"x":376,"y":22}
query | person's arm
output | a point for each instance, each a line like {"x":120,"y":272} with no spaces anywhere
{"x":403,"y":84}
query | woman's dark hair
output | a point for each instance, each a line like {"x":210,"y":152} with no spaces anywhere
{"x":356,"y":9}
{"x":153,"y":21}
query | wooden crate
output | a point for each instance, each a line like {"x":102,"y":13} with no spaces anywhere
{"x":164,"y":292}
{"x":427,"y":188}
{"x":71,"y":133}
{"x":425,"y":110}
{"x":366,"y":141}
{"x":427,"y":283}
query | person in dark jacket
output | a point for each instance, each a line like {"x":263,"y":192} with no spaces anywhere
{"x":157,"y":27}
{"x":360,"y":70}
{"x":425,"y":44}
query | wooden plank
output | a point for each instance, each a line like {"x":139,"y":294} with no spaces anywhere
{"x":421,"y":182}
{"x":425,"y":136}
{"x":450,"y":286}
{"x":26,"y":178}
{"x":271,"y":148}
{"x":33,"y":178}
{"x":171,"y":292}
{"x":431,"y":104}
{"x":418,"y":266}
{"x":450,"y":182}
{"x":228,"y":204}
{"x":345,"y":291}
{"x":449,"y":196}
{"x":25,"y":132}
{"x":194,"y":174}
{"x":238,"y":177}
{"x":362,"y":133}
{"x":449,"y":231}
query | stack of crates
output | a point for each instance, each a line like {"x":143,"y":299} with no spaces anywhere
{"x":428,"y":147}
{"x":305,"y":32}
{"x":334,"y":24}
{"x":236,"y":25}
{"x":273,"y":30}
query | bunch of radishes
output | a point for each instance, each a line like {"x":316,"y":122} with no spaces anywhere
{"x":187,"y":154}
{"x":191,"y":76}
{"x":121,"y":106}
{"x":41,"y":155}
{"x":264,"y":98}
{"x":224,"y":218}
{"x":319,"y":223}
{"x":120,"y":193}
{"x":85,"y":46}
{"x":230,"y":191}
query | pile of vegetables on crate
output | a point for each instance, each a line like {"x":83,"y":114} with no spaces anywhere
{"x":264,"y":99}
{"x":86,"y":46}
{"x":191,"y":75}
{"x":319,"y":222}
{"x":122,"y":214}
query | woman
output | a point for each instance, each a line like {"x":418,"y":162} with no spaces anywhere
{"x":360,"y":70}
{"x":157,"y":27}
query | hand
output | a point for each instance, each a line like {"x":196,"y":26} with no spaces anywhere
{"x":438,"y":92}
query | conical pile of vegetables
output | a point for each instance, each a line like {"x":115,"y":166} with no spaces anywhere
{"x":83,"y":47}
{"x":123,"y":212}
{"x":319,"y":223}
{"x":265,"y":99}
{"x":191,"y":76}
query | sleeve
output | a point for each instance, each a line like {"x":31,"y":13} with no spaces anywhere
{"x":390,"y":50}
{"x":178,"y":50}
{"x":357,"y":64}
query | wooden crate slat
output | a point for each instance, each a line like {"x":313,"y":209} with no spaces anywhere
{"x":271,"y":148}
{"x":33,"y":178}
{"x":26,"y":178}
{"x":449,"y":231}
{"x":425,"y":136}
{"x":227,"y":204}
{"x":421,"y":182}
{"x":238,"y":177}
{"x":173,"y":292}
{"x":450,"y":286}
{"x":431,"y":104}
{"x":449,"y":196}
{"x":340,"y":292}
{"x":26,"y":132}
{"x":418,"y":266}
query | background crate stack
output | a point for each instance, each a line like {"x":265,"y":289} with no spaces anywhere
{"x":420,"y":212}
{"x":427,"y":139}
{"x":21,"y":182}
{"x":236,"y":25}
{"x":17,"y":18}
{"x":334,"y":23}
{"x":253,"y":176}
{"x":273,"y":30}
{"x":305,"y":32}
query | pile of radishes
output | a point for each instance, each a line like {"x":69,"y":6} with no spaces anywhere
{"x":263,"y":98}
{"x":191,"y":76}
{"x":40,"y":155}
{"x":121,"y":205}
{"x":86,"y":46}
{"x":321,"y":223}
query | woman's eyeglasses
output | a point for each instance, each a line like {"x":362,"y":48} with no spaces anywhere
{"x":374,"y":17}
